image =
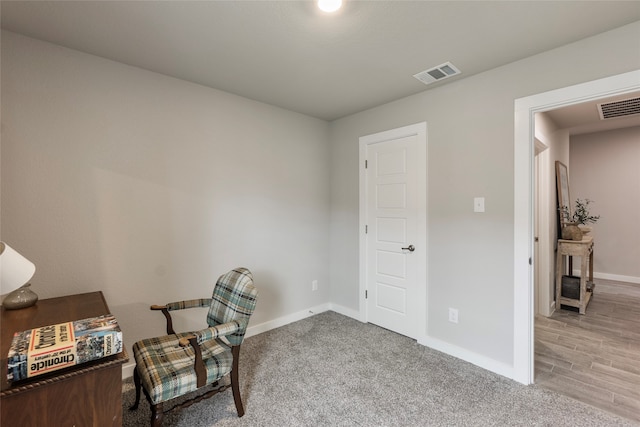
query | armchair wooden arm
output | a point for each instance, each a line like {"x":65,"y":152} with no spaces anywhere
{"x":165,"y":311}
{"x":201,"y":372}
{"x":198,"y":337}
{"x":179,"y":305}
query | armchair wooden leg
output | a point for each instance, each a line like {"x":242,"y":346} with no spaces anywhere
{"x":136,"y":381}
{"x":156,"y":415}
{"x":235,"y":382}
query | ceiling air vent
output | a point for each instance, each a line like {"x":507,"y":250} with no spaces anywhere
{"x":612,"y":110}
{"x":438,"y":73}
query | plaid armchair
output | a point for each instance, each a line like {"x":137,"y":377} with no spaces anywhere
{"x":179,"y":363}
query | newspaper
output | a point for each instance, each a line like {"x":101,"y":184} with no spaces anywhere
{"x":49,"y":348}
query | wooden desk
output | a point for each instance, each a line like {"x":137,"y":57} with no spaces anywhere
{"x":89,"y":394}
{"x":584,"y":249}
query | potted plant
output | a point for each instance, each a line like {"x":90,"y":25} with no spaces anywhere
{"x":581,"y":214}
{"x":580,"y":217}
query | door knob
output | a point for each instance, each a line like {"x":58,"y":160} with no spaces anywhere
{"x":411,"y":248}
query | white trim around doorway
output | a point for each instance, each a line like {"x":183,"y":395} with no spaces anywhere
{"x":525,"y":109}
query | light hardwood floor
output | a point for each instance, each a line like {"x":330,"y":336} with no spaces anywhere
{"x":595,"y":357}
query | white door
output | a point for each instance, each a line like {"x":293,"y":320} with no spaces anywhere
{"x":536,"y":239}
{"x":543,"y":248}
{"x":395,"y":229}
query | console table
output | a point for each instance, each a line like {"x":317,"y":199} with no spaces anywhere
{"x":89,"y":394}
{"x":584,"y":249}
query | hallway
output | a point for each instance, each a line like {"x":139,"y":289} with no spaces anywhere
{"x":594,"y":358}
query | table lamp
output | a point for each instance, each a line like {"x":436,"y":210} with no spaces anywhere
{"x":15,"y":272}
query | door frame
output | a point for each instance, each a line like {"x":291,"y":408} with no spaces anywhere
{"x":525,"y":109}
{"x":420,"y":131}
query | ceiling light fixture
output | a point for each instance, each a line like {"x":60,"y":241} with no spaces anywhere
{"x":329,"y":6}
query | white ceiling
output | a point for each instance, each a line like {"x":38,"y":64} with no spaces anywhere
{"x":288,"y":54}
{"x":585,"y":117}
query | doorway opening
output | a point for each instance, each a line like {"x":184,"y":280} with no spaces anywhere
{"x":524,"y":215}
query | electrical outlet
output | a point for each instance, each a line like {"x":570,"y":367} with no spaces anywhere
{"x":453,"y":315}
{"x":314,"y":285}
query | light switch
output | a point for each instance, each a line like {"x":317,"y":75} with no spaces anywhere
{"x":478,"y":204}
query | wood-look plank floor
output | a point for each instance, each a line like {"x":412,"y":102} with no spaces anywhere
{"x":595,"y":357}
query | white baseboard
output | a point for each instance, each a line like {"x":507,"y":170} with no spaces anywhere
{"x":484,"y":362}
{"x":354,"y":314}
{"x":607,"y":276}
{"x":127,"y":368}
{"x":285,"y":320}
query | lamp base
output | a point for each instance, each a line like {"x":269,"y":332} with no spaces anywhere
{"x":22,"y":297}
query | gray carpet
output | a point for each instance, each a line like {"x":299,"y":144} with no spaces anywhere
{"x":330,"y":370}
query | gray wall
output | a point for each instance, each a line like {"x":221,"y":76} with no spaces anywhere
{"x":148,"y":187}
{"x":605,"y":167}
{"x":470,"y":136}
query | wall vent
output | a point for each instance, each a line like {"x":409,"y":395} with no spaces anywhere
{"x":438,"y":73}
{"x":612,"y":110}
